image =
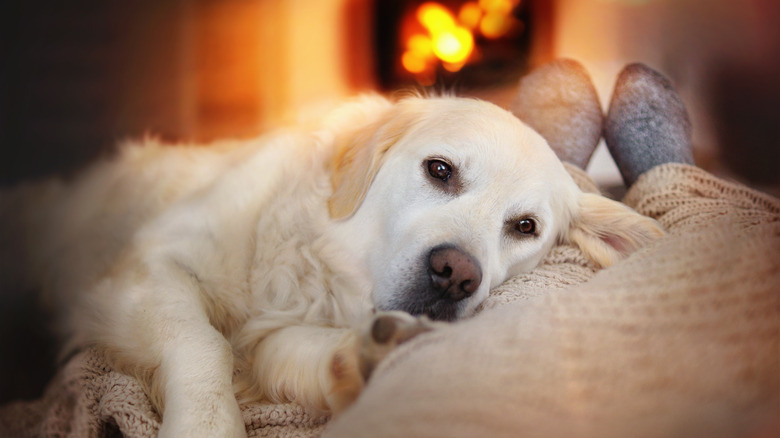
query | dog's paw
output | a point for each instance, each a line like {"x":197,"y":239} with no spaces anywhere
{"x":386,"y":331}
{"x":346,"y":378}
{"x":352,"y":364}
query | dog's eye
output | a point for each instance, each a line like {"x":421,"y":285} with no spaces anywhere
{"x":439,"y":169}
{"x":526,"y":226}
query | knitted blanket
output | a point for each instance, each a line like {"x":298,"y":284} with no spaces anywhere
{"x":88,"y":399}
{"x":682,"y":338}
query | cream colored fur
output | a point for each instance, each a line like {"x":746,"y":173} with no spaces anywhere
{"x":268,"y":256}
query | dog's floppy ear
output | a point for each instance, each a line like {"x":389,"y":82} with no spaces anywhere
{"x":608,"y":231}
{"x":358,"y":159}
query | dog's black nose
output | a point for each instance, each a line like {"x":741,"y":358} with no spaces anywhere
{"x":454,"y":273}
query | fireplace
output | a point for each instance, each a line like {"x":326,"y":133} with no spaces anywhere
{"x":463,"y":44}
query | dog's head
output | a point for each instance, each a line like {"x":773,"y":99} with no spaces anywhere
{"x":445,"y":198}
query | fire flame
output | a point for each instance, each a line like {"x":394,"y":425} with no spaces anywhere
{"x":446,"y":38}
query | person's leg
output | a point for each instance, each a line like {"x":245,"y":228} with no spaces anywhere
{"x":559,"y":101}
{"x":647,"y":124}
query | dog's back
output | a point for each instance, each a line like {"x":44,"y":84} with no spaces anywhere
{"x":60,"y":236}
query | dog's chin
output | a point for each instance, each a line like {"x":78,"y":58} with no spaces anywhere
{"x":440,"y":310}
{"x":422,"y":301}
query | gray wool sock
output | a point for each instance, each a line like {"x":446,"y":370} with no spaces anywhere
{"x":647,"y":124}
{"x":558,"y":100}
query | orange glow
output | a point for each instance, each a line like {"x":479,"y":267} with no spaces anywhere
{"x":446,"y":39}
{"x":453,"y":46}
{"x":495,"y":25}
{"x":435,"y":17}
{"x":470,"y":14}
{"x":413,"y":63}
{"x":453,"y":67}
{"x":421,"y":45}
{"x":503,"y":7}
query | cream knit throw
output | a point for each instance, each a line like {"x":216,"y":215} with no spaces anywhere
{"x":681,"y":339}
{"x":88,"y":399}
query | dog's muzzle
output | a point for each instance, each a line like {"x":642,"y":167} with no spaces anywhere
{"x":446,"y":277}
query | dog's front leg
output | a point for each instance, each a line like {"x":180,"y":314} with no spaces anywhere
{"x":314,"y":366}
{"x":153,"y":318}
{"x":326,"y":368}
{"x":196,"y":377}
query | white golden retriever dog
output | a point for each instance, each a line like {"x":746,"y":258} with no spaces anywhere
{"x":251,"y":270}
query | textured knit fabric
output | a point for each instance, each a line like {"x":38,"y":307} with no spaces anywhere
{"x":88,"y":399}
{"x":680,"y":339}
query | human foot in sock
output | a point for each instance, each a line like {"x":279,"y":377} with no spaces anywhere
{"x":559,"y":101}
{"x":647,"y":123}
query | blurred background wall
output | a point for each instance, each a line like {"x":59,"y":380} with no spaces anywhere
{"x":76,"y":76}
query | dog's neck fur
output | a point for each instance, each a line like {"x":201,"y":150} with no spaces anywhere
{"x":282,"y":289}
